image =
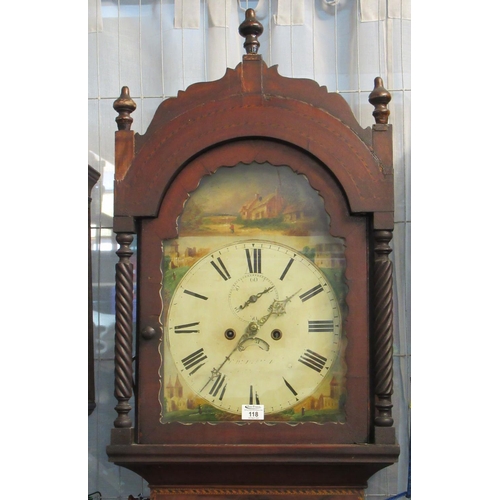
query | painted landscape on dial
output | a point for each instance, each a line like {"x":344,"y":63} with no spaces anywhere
{"x":254,"y":200}
{"x":261,"y":203}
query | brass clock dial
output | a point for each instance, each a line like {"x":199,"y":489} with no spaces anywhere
{"x":254,"y":322}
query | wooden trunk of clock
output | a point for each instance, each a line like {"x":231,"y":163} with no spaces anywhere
{"x":196,"y":154}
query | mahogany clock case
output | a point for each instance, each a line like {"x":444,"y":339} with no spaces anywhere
{"x":164,"y":227}
{"x":255,"y":116}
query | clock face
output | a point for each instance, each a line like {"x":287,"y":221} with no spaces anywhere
{"x":254,"y":322}
{"x":253,"y":297}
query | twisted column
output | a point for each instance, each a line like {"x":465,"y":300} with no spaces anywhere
{"x":383,"y":327}
{"x":123,"y":331}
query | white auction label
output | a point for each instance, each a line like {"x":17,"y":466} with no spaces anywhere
{"x":252,"y":412}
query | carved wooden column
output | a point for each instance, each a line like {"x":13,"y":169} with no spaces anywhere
{"x":124,"y":383}
{"x":383,"y":327}
{"x":123,"y":334}
{"x":382,"y":289}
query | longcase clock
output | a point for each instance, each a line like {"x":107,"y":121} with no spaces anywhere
{"x":263,"y":215}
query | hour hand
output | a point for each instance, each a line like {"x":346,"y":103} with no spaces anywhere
{"x":254,"y":298}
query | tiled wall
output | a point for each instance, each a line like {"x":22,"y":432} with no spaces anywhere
{"x":138,"y":46}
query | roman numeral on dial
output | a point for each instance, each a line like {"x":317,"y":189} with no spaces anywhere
{"x":311,"y":293}
{"x":292,"y":390}
{"x":251,"y":398}
{"x":320,"y":326}
{"x":194,"y":294}
{"x":222,"y":269}
{"x":194,"y":360}
{"x":187,"y":328}
{"x":218,"y":384}
{"x":290,"y":262}
{"x":313,"y":360}
{"x":254,"y":260}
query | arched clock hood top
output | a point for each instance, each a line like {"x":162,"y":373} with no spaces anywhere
{"x":254,"y":101}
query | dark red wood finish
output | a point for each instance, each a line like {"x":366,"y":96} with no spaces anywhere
{"x":254,"y":101}
{"x":254,"y":115}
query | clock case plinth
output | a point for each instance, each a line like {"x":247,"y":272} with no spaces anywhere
{"x":253,"y":114}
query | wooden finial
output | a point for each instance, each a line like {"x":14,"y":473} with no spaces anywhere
{"x":380,"y":98}
{"x":124,"y":105}
{"x":251,"y":29}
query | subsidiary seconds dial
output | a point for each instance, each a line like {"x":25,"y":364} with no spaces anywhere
{"x":254,"y":322}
